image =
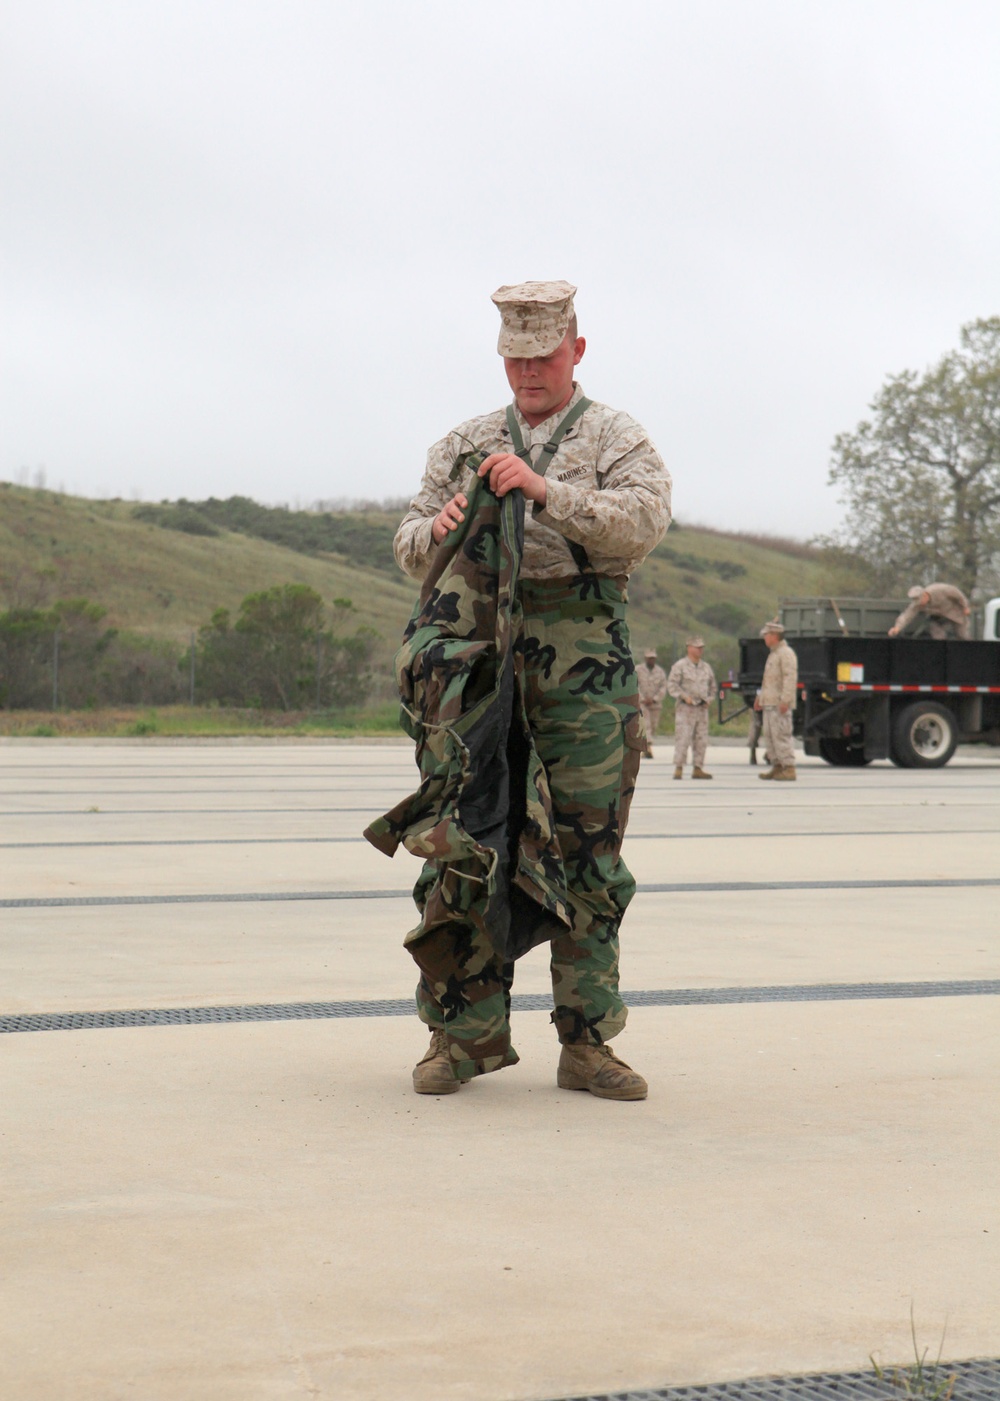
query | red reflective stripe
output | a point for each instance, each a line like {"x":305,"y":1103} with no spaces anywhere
{"x":923,"y":690}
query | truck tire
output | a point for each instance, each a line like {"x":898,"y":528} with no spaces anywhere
{"x":924,"y":736}
{"x":841,"y":754}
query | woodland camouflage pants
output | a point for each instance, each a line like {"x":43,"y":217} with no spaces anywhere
{"x":577,"y":684}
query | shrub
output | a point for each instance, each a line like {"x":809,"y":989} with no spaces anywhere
{"x":280,"y":655}
{"x":726,"y":617}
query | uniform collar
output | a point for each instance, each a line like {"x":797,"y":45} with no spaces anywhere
{"x":549,"y":425}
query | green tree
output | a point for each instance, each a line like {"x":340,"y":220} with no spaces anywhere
{"x":219,"y":667}
{"x":83,"y":645}
{"x":346,"y":659}
{"x":283,"y":627}
{"x":28,"y":653}
{"x":281,"y":655}
{"x":25,"y":652}
{"x":921,"y":477}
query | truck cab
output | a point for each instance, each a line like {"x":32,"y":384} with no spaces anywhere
{"x":863,"y":695}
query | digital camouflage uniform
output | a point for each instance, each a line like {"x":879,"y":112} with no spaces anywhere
{"x":554,"y":870}
{"x":692,"y":685}
{"x":652,"y":682}
{"x":607,"y":491}
{"x":777,"y":688}
{"x":754,"y":734}
{"x":947,"y":611}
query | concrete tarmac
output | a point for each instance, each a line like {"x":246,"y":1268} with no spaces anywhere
{"x":264,"y":1209}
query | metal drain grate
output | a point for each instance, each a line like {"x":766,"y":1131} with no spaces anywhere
{"x":812,"y":992}
{"x":521,"y":1002}
{"x":974,"y":1381}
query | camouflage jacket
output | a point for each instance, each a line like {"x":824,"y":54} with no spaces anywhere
{"x":500,"y":869}
{"x":781,"y":674}
{"x":652,"y":683}
{"x":607,"y":490}
{"x":693,"y":682}
{"x":945,"y":601}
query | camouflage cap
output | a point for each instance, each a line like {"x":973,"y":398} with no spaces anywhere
{"x":695,"y":642}
{"x":534,"y":316}
{"x":917,"y":591}
{"x":649,"y":652}
{"x":773,"y":626}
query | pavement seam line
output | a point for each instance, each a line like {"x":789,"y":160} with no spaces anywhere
{"x":670,"y":888}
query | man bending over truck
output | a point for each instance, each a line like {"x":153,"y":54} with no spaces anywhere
{"x":945,"y":607}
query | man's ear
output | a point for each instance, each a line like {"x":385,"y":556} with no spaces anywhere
{"x":579,"y":346}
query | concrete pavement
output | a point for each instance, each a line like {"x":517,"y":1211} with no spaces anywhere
{"x":264,"y":1209}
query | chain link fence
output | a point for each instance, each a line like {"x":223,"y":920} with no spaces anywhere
{"x":283,"y":651}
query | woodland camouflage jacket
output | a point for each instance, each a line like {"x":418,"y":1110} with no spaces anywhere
{"x":482,"y":816}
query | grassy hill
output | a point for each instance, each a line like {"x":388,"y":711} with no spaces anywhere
{"x":166,"y":581}
{"x":724,"y":586}
{"x":162,"y":570}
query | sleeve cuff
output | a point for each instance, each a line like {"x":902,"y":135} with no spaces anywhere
{"x":561,"y":502}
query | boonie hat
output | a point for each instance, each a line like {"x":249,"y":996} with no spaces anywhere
{"x":773,"y":626}
{"x":917,"y":591}
{"x":649,"y":652}
{"x":534,"y":317}
{"x":695,"y":642}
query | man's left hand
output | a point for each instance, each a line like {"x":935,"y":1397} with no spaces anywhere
{"x":507,"y":472}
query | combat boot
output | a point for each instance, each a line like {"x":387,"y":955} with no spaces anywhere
{"x":786,"y":774}
{"x":678,"y":772}
{"x":598,"y":1069}
{"x":753,"y":756}
{"x":699,"y":773}
{"x":771,"y":773}
{"x":433,"y":1075}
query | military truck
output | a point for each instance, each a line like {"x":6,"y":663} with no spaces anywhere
{"x":863,"y":695}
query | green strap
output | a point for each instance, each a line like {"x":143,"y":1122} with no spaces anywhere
{"x":551,"y":447}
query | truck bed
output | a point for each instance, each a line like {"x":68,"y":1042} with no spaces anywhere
{"x":911,"y":662}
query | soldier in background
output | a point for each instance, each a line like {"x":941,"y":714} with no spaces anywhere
{"x":945,"y":606}
{"x":753,"y":739}
{"x":652,"y":681}
{"x":692,"y":684}
{"x":776,"y":701}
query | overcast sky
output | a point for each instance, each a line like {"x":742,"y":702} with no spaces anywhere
{"x":249,"y":246}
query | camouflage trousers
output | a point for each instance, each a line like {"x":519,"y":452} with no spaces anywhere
{"x":941,"y":629}
{"x":778,"y":737}
{"x":651,"y":721}
{"x":576,"y":683}
{"x":690,"y":732}
{"x":753,"y":737}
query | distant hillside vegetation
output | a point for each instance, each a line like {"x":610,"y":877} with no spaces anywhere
{"x":724,"y":585}
{"x":359,"y":536}
{"x":163,"y":569}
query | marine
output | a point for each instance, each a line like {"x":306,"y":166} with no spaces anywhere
{"x":776,"y":702}
{"x":595,"y":497}
{"x":652,"y":683}
{"x":692,"y":684}
{"x":945,"y":606}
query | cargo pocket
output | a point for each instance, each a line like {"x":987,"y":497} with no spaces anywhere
{"x":635,"y":745}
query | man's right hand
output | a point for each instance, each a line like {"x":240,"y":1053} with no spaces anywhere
{"x":449,"y":517}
